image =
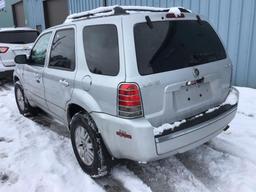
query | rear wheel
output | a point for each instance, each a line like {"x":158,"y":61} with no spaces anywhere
{"x":88,"y":146}
{"x":22,"y":102}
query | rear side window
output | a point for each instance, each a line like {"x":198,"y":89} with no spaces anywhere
{"x":172,"y":45}
{"x":62,"y":54}
{"x":18,"y":37}
{"x":101,"y":49}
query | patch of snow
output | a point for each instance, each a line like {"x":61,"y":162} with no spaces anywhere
{"x":35,"y":159}
{"x":129,"y":180}
{"x":146,"y":8}
{"x":212,"y":109}
{"x":240,"y":139}
{"x":109,"y":10}
{"x":175,"y":10}
{"x":197,"y":116}
{"x":167,"y":126}
{"x":99,"y":11}
{"x":231,"y":99}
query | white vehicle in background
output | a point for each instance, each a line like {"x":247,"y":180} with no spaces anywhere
{"x":14,"y":41}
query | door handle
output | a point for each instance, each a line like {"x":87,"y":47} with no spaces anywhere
{"x":37,"y":77}
{"x":64,"y":82}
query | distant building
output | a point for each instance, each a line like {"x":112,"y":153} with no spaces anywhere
{"x":235,"y":21}
{"x":38,"y":14}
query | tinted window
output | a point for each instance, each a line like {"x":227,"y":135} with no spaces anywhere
{"x":101,"y":49}
{"x":172,"y":45}
{"x":63,"y":50}
{"x":38,"y":52}
{"x":18,"y":37}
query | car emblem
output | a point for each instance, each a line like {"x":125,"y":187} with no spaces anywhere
{"x":196,"y":72}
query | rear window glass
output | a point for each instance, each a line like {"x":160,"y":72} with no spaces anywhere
{"x":172,"y":45}
{"x":101,"y":49}
{"x":18,"y":37}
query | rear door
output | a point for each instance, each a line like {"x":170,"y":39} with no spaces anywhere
{"x":16,"y":43}
{"x":180,"y":65}
{"x":104,"y":60}
{"x":32,"y":75}
{"x":60,"y":73}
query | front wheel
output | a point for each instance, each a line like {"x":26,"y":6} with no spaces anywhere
{"x":21,"y":101}
{"x":88,"y":146}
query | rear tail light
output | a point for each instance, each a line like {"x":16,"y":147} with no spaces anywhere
{"x":3,"y":49}
{"x":129,"y":101}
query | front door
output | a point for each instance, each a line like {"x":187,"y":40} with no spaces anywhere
{"x":60,"y":73}
{"x":33,"y":71}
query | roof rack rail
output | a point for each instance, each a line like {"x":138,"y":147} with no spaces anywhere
{"x":113,"y":10}
{"x":154,"y":9}
{"x":121,"y":10}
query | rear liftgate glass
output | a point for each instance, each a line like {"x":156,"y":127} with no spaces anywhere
{"x":171,"y":45}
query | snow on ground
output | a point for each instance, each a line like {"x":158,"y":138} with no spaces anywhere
{"x":33,"y":158}
{"x":36,"y":159}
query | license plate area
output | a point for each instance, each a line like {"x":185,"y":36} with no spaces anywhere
{"x":193,"y":95}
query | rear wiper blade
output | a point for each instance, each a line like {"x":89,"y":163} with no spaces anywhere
{"x":199,"y":20}
{"x":149,"y":22}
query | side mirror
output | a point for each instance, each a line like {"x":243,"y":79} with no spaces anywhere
{"x":21,"y":59}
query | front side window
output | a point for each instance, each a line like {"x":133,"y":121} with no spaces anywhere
{"x":172,"y":45}
{"x":63,"y":50}
{"x":101,"y":49}
{"x":38,"y":53}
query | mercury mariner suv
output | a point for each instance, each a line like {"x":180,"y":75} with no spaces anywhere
{"x":14,"y":41}
{"x":134,"y":83}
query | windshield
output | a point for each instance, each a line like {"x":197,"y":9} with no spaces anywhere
{"x":172,"y":45}
{"x":18,"y":37}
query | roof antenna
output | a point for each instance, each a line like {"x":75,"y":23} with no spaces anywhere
{"x":149,"y":22}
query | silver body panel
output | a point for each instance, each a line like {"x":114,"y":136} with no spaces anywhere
{"x":164,"y":95}
{"x":144,"y":147}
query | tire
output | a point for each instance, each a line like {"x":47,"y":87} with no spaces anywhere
{"x":88,"y":146}
{"x":22,"y":102}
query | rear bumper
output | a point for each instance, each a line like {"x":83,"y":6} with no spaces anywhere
{"x":6,"y":71}
{"x":135,"y":139}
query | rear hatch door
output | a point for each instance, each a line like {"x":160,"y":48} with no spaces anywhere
{"x":181,"y":66}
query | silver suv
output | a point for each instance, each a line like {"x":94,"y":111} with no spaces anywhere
{"x":130,"y":83}
{"x":14,"y":41}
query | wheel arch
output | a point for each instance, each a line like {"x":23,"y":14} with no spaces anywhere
{"x":15,"y":78}
{"x":81,"y":101}
{"x":72,"y":109}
